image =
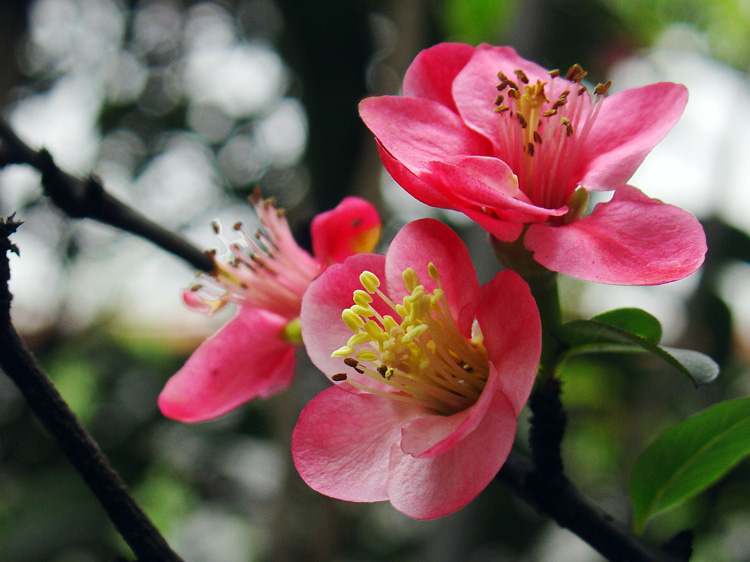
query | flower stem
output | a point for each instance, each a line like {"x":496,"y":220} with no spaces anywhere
{"x":544,"y":290}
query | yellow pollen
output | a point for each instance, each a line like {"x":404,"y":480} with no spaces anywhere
{"x":362,"y":298}
{"x":343,"y":351}
{"x":352,"y":320}
{"x":418,"y":350}
{"x":369,"y":281}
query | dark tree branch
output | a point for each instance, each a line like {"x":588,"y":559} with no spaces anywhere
{"x":88,"y":199}
{"x":557,"y":498}
{"x":50,"y":408}
{"x":541,"y":483}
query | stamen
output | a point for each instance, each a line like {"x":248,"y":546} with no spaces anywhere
{"x":419,"y":351}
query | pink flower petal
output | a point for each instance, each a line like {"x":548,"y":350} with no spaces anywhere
{"x":427,"y":240}
{"x":353,"y":227}
{"x":630,"y":124}
{"x":509,"y":320}
{"x":468,"y":176}
{"x":341,"y":444}
{"x":434,"y":434}
{"x":416,"y":131}
{"x":425,"y":488}
{"x":474,"y":87}
{"x":425,"y":190}
{"x":323,"y":330}
{"x":631,"y":240}
{"x":247,"y":358}
{"x":431,"y":74}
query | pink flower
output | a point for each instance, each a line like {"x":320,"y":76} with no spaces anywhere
{"x":519,"y":158}
{"x":431,"y":371}
{"x":266,"y":275}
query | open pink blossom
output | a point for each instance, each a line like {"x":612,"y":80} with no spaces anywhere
{"x":518,"y":148}
{"x":266,"y":274}
{"x":431,"y":372}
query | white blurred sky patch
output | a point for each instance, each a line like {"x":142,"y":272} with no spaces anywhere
{"x":64,"y":121}
{"x":233,"y":89}
{"x":702,"y":165}
{"x":704,"y":162}
{"x":239,"y":79}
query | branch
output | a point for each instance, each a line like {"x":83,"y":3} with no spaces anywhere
{"x":88,"y":199}
{"x":85,"y":455}
{"x":557,"y":498}
{"x":542,"y":484}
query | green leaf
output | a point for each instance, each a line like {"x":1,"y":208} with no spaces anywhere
{"x":477,"y":21}
{"x":689,"y":457}
{"x":633,"y":320}
{"x":602,"y":336}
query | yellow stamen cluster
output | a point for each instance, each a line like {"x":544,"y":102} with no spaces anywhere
{"x":418,"y":350}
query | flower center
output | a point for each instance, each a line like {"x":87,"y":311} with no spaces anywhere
{"x":418,"y":350}
{"x":267,"y":270}
{"x":542,"y":127}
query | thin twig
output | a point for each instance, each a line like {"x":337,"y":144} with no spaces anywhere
{"x":87,"y":198}
{"x":77,"y":444}
{"x":556,"y":497}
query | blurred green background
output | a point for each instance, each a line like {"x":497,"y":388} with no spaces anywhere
{"x":181,"y":108}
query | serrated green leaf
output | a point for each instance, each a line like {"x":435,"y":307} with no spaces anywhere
{"x":633,"y":320}
{"x":689,"y":457}
{"x":596,"y":336}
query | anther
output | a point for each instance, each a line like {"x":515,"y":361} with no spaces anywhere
{"x":351,"y":319}
{"x":576,"y":73}
{"x":354,"y":364}
{"x":344,"y":351}
{"x":369,"y":281}
{"x":411,"y":279}
{"x":537,"y":137}
{"x":237,"y":225}
{"x":338,"y":377}
{"x":358,"y":339}
{"x":432,"y":270}
{"x":554,"y":73}
{"x":568,"y":126}
{"x":367,"y":355}
{"x":549,"y":113}
{"x":501,"y":109}
{"x":522,"y":121}
{"x":499,"y":99}
{"x":530,"y":149}
{"x":513,"y":93}
{"x":216,"y":226}
{"x":601,"y":89}
{"x":362,"y":298}
{"x":359,"y":310}
{"x":521,"y":75}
